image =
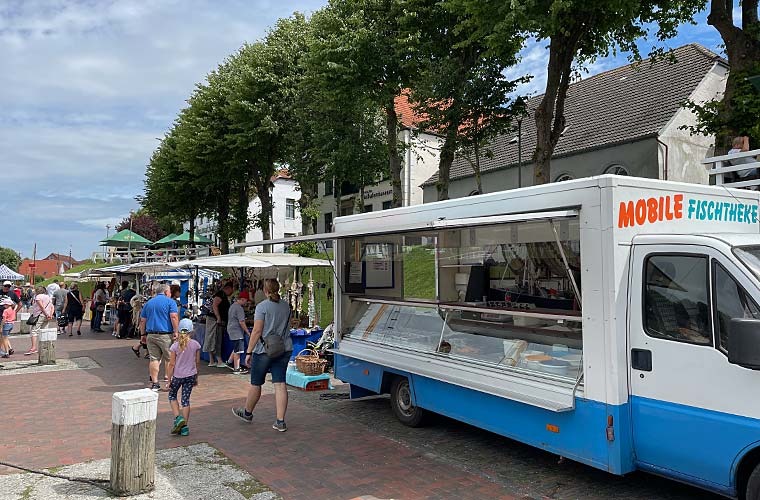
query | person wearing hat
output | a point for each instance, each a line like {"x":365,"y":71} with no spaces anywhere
{"x":237,"y":331}
{"x":184,"y":361}
{"x":7,"y":291}
{"x":9,"y":316}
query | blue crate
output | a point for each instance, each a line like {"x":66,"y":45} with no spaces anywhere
{"x":300,"y":338}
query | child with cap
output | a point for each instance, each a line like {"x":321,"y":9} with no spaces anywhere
{"x":9,"y":316}
{"x":185,"y":357}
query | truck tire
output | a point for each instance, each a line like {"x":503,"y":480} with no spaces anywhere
{"x":401,"y":402}
{"x":753,"y":485}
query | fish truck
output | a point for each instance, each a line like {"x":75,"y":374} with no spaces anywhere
{"x":611,"y":320}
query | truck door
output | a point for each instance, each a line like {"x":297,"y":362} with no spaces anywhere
{"x":692,"y":411}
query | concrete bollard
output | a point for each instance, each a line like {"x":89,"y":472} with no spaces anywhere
{"x":46,"y":348}
{"x":133,"y":441}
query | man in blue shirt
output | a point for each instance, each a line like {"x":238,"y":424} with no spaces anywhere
{"x":159,"y":321}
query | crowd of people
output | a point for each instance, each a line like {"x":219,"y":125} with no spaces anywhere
{"x":154,"y":318}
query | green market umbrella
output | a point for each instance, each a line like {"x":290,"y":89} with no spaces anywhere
{"x":166,"y":240}
{"x":124,"y":238}
{"x":184,"y":239}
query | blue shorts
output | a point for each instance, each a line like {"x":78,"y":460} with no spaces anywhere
{"x":7,"y":330}
{"x":238,"y":346}
{"x":261,"y":364}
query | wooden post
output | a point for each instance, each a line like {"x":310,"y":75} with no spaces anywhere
{"x":46,"y":347}
{"x":133,"y":441}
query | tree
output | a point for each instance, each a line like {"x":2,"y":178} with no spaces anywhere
{"x":359,"y":51}
{"x":459,"y":88}
{"x":10,"y":258}
{"x":737,"y":112}
{"x":578,"y":32}
{"x":143,"y":224}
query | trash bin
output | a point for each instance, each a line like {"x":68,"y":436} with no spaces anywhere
{"x":22,"y":326}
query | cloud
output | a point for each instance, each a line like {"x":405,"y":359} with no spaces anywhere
{"x":88,"y":87}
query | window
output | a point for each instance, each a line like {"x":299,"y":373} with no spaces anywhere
{"x":387,"y":205}
{"x":328,"y":222}
{"x":731,"y":301}
{"x":563,"y":177}
{"x":499,"y":295}
{"x":616,"y":169}
{"x":675,"y":298}
{"x":290,"y":208}
{"x":328,"y":187}
{"x":346,"y":211}
{"x":368,"y":208}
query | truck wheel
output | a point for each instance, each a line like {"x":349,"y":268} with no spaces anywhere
{"x":401,"y":402}
{"x":753,"y":485}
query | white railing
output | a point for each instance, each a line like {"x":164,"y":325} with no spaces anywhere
{"x":146,"y":255}
{"x":723,"y":170}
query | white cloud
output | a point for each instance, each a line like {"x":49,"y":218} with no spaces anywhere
{"x":88,"y":86}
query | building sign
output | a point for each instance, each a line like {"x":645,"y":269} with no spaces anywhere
{"x":369,"y":194}
{"x":675,"y":207}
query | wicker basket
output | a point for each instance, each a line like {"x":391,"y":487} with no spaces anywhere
{"x":310,"y":363}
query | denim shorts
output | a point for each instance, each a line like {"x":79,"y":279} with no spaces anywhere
{"x":238,"y":346}
{"x":7,"y":329}
{"x":261,"y":364}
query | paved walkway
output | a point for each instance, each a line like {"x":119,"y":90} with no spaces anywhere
{"x":64,"y":417}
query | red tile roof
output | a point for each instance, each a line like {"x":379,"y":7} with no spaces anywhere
{"x":406,"y":115}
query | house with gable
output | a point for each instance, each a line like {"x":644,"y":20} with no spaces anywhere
{"x":625,"y":121}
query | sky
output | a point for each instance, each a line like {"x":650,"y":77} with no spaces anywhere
{"x":89,"y":87}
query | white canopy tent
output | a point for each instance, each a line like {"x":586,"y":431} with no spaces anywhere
{"x":259,"y":260}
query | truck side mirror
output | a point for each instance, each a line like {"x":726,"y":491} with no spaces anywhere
{"x":744,"y":343}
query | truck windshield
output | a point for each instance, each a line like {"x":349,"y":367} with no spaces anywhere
{"x":750,"y":257}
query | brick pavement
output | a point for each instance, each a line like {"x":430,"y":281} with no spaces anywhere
{"x":64,"y":417}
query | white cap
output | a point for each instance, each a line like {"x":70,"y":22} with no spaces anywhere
{"x":175,"y":282}
{"x":6,"y":302}
{"x":185,"y":325}
{"x":8,"y":283}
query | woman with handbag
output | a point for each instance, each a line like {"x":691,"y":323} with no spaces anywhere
{"x":74,"y":309}
{"x":40,"y":316}
{"x":271,"y":326}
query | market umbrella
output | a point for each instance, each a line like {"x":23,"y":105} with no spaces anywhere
{"x":166,"y":240}
{"x":7,"y":273}
{"x":124,"y":238}
{"x":184,"y":239}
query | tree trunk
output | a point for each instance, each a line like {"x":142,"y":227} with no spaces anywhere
{"x":192,"y":231}
{"x":265,"y":218}
{"x":394,"y":158}
{"x":743,"y":51}
{"x":223,"y":214}
{"x":304,"y":202}
{"x":444,"y":164}
{"x":550,"y":114}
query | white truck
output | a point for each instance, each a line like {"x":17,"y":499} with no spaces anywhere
{"x":610,"y":320}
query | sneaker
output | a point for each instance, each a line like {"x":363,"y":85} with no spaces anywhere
{"x":244,"y":370}
{"x":279,"y":425}
{"x":211,"y":365}
{"x":221,"y":364}
{"x":240,"y":413}
{"x":155,"y":387}
{"x":179,"y":424}
{"x":11,"y":351}
{"x":230,"y":366}
{"x":185,"y":431}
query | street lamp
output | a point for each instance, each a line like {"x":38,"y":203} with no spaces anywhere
{"x":519,"y":151}
{"x":108,"y":227}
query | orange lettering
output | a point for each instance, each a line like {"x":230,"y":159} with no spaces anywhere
{"x":678,"y":206}
{"x":641,"y":212}
{"x":660,"y":211}
{"x":625,"y":217}
{"x":652,"y":209}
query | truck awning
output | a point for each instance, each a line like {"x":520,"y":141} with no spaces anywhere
{"x":441,"y":223}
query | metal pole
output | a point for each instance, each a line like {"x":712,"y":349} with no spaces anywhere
{"x":129,"y":240}
{"x":519,"y":152}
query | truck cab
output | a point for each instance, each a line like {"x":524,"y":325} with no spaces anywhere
{"x":694,"y":354}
